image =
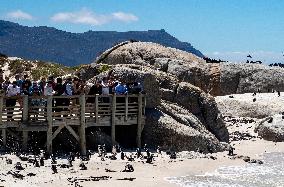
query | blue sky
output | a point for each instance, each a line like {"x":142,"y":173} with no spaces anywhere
{"x":227,"y":29}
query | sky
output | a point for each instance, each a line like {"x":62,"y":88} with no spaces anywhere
{"x":226,"y":29}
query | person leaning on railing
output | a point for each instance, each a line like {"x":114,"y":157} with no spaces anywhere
{"x":12,"y":91}
{"x":121,"y":89}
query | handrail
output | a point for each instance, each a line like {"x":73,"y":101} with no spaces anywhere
{"x":98,"y":108}
{"x":69,"y":96}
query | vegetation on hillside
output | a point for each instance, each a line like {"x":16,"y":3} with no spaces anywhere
{"x":36,"y":69}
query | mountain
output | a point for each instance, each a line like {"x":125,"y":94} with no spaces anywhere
{"x":50,"y":44}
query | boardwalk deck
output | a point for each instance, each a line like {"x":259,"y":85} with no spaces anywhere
{"x":40,"y":113}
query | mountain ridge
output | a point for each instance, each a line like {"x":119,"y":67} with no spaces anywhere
{"x":51,"y":44}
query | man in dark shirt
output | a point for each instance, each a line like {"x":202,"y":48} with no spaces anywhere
{"x":95,"y":89}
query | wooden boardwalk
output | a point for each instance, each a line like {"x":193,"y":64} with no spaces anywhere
{"x":40,"y":113}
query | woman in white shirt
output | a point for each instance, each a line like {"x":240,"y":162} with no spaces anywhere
{"x":105,"y":89}
{"x":48,"y":90}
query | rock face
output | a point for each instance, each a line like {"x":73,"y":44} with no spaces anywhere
{"x":214,"y":78}
{"x":179,"y":114}
{"x":184,"y":66}
{"x":245,"y":78}
{"x":175,"y":128}
{"x":271,"y":128}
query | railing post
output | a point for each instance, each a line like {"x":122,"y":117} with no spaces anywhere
{"x":25,"y":116}
{"x":139,"y":121}
{"x":97,"y":109}
{"x":25,"y":109}
{"x":4,"y":136}
{"x":145,"y":103}
{"x":82,"y":130}
{"x":113,"y":109}
{"x":49,"y":123}
{"x":1,"y":109}
{"x":126,"y":108}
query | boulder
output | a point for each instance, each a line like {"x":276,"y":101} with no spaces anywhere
{"x":271,"y":128}
{"x":204,"y":107}
{"x":245,"y":78}
{"x":179,"y":113}
{"x":172,"y":127}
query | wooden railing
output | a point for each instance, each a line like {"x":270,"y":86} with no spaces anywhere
{"x":33,"y":110}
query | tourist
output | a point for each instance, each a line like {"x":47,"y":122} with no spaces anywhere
{"x":34,"y":89}
{"x":68,"y":86}
{"x":120,"y":89}
{"x":76,"y":86}
{"x":25,"y":88}
{"x":35,"y":101}
{"x":76,"y":90}
{"x":105,"y":89}
{"x":19,"y":81}
{"x":42,"y":84}
{"x":59,"y":91}
{"x":26,"y":84}
{"x":111,"y":84}
{"x":6,"y":83}
{"x":27,"y":80}
{"x":19,"y":84}
{"x":12,"y":91}
{"x":95,"y":89}
{"x":51,"y":78}
{"x":48,"y":89}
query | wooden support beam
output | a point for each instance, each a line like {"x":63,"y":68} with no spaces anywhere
{"x":4,"y":138}
{"x":25,"y":140}
{"x":144,"y":107}
{"x":25,"y":109}
{"x":113,"y":108}
{"x":1,"y":109}
{"x":97,"y":109}
{"x":71,"y":130}
{"x":49,"y":128}
{"x":82,"y":128}
{"x":57,"y":131}
{"x":4,"y":135}
{"x":126,"y":108}
{"x":139,"y":121}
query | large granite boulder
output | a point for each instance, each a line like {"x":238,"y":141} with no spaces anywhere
{"x":184,"y":66}
{"x":204,"y":107}
{"x":271,"y":128}
{"x":179,"y":113}
{"x":245,"y":78}
{"x":173,"y":127}
{"x":215,"y":78}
